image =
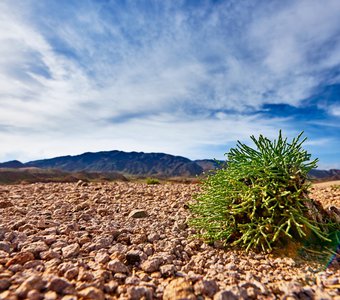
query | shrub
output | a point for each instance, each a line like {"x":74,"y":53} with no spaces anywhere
{"x":152,"y":181}
{"x":260,"y":197}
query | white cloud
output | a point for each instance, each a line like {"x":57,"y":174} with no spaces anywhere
{"x":160,"y":78}
{"x":334,"y":110}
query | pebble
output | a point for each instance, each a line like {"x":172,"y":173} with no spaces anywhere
{"x":68,"y":242}
{"x":34,"y":282}
{"x":20,"y":258}
{"x":179,"y":289}
{"x":138,"y":213}
{"x":139,"y":292}
{"x":5,"y":246}
{"x":116,"y":266}
{"x":206,"y":288}
{"x":4,"y":284}
{"x":71,"y":250}
{"x":61,"y":286}
{"x":92,"y":293}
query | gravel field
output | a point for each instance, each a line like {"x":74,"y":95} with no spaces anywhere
{"x":130,"y":241}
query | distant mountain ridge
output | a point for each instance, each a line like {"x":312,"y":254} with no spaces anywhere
{"x":332,"y":174}
{"x":131,"y":163}
{"x":138,"y":164}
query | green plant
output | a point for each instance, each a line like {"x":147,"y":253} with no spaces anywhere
{"x":152,"y":181}
{"x":260,"y":198}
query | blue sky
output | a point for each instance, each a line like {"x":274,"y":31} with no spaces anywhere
{"x":182,"y":77}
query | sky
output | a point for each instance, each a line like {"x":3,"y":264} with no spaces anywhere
{"x":187,"y":78}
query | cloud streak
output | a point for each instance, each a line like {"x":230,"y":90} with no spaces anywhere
{"x":163,"y":76}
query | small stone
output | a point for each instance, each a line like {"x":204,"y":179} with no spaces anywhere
{"x":85,"y":275}
{"x":3,"y":254}
{"x":69,"y":297}
{"x":36,"y":248}
{"x":71,"y":273}
{"x":132,"y":280}
{"x":289,"y":261}
{"x":168,"y":270}
{"x":91,"y":293}
{"x":206,"y":288}
{"x":230,"y":266}
{"x":180,"y":225}
{"x":48,"y":255}
{"x":110,"y":287}
{"x":50,"y":295}
{"x":35,"y":264}
{"x":151,"y":265}
{"x":138,"y":239}
{"x":61,"y":286}
{"x":20,"y":258}
{"x":178,"y":289}
{"x":153,"y":237}
{"x":71,"y":250}
{"x":4,"y":284}
{"x":138,"y":213}
{"x":5,"y":246}
{"x":15,"y":268}
{"x":33,"y":282}
{"x":116,"y":266}
{"x":34,"y":295}
{"x":120,"y":277}
{"x":225,"y":295}
{"x":139,"y":292}
{"x":148,"y":249}
{"x":102,"y":257}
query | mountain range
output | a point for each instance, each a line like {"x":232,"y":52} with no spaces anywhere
{"x":138,"y":164}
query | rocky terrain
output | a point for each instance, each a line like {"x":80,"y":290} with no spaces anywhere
{"x":124,"y":240}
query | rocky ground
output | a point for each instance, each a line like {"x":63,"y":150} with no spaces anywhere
{"x":130,"y":241}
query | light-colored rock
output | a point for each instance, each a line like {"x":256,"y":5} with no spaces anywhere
{"x":151,"y":265}
{"x":35,"y":247}
{"x":139,"y":292}
{"x":102,"y":257}
{"x":48,"y":255}
{"x":168,"y":270}
{"x":179,"y":289}
{"x":69,"y":297}
{"x":116,"y":266}
{"x":50,"y":295}
{"x":206,"y":288}
{"x":34,"y":295}
{"x":153,"y":237}
{"x":71,"y":250}
{"x":91,"y":293}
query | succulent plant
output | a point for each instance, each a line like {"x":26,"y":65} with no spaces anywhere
{"x":259,"y":198}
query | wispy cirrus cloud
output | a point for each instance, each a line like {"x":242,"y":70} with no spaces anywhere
{"x":154,"y":76}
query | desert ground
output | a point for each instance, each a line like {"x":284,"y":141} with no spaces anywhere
{"x":123,"y":240}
